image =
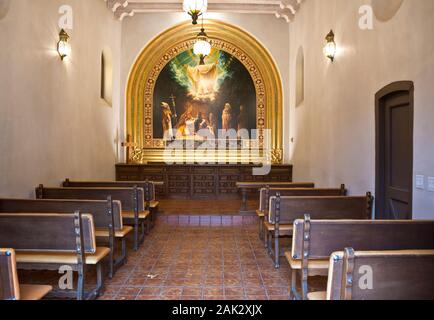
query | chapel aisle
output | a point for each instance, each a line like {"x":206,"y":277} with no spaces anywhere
{"x":192,"y":262}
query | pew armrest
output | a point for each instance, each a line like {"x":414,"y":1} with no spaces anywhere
{"x":154,"y":204}
{"x":33,"y":292}
{"x":102,"y":233}
{"x":260,"y":213}
{"x":282,"y":227}
{"x":130,"y":214}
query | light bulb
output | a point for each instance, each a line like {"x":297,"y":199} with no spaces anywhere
{"x":63,"y":46}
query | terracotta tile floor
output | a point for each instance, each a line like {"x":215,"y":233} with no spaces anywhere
{"x":195,"y":258}
{"x":201,"y":263}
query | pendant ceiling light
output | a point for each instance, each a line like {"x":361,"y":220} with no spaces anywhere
{"x":195,"y":8}
{"x":202,"y":46}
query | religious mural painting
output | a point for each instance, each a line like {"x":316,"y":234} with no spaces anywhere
{"x":190,"y":96}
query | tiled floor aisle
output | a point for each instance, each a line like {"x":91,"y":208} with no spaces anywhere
{"x":183,"y":262}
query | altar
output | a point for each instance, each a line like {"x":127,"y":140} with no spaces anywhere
{"x":199,"y":181}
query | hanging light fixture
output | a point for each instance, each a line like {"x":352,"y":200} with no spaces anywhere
{"x":330,"y":47}
{"x":195,"y":8}
{"x":63,"y":46}
{"x":202,"y":46}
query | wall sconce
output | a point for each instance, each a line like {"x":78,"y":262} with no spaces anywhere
{"x":195,"y":8}
{"x":330,"y":47}
{"x":63,"y":46}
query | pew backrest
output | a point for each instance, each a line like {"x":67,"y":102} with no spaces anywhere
{"x":288,"y":209}
{"x":147,"y":186}
{"x":381,"y":275}
{"x":47,"y":232}
{"x":132,"y":199}
{"x":266,"y":193}
{"x":9,"y":286}
{"x":320,"y":238}
{"x":262,"y":184}
{"x":98,"y":208}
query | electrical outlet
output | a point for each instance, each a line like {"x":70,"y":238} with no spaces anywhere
{"x":420,"y":182}
{"x":431,"y":184}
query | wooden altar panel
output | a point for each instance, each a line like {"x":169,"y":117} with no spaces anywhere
{"x":198,"y":181}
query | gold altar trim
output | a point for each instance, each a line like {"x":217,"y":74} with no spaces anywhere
{"x":180,"y":38}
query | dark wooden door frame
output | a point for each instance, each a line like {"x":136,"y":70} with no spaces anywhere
{"x":395,"y":87}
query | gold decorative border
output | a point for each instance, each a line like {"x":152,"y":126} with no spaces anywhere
{"x":180,"y":38}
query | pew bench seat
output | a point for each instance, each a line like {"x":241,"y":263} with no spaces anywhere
{"x":399,"y":274}
{"x":130,"y":214}
{"x":61,"y":258}
{"x":317,"y":296}
{"x":260,"y":213}
{"x":316,"y":240}
{"x":10,"y":288}
{"x":314,"y":264}
{"x":144,"y":218}
{"x":132,"y":201}
{"x":30,"y":292}
{"x":102,"y":233}
{"x":282,"y":228}
{"x":48,"y":241}
{"x":154,"y":204}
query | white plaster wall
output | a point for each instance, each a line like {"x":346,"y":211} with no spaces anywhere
{"x":271,"y":32}
{"x":334,"y":130}
{"x":53,"y":123}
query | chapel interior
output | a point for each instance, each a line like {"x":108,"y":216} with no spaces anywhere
{"x":216,"y":150}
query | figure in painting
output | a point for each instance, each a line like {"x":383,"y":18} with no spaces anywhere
{"x":185,"y":124}
{"x":243,"y":119}
{"x":201,"y":123}
{"x":213,"y":125}
{"x":227,"y":117}
{"x":167,"y":121}
{"x":203,"y":79}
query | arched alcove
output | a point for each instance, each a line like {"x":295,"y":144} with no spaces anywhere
{"x":299,"y":77}
{"x":4,"y":8}
{"x":179,"y":39}
{"x":385,"y":10}
{"x":107,"y":75}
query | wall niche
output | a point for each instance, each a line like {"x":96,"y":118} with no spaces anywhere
{"x":4,"y":8}
{"x":107,"y":76}
{"x":299,"y":78}
{"x":385,"y":10}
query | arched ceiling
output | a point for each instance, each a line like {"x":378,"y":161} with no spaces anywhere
{"x":285,"y":9}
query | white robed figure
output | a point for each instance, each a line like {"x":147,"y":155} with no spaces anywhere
{"x":166,"y":121}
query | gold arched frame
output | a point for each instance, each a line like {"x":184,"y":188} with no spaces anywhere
{"x":167,"y":45}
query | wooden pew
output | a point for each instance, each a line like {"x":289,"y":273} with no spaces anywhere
{"x":132,"y":200}
{"x":267,"y":192}
{"x":10,"y":288}
{"x":315,"y":240}
{"x":396,"y":275}
{"x":107,"y":216}
{"x":50,"y":241}
{"x":151,"y":202}
{"x":246,"y":186}
{"x":284,"y":211}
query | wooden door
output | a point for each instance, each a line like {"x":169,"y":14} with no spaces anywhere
{"x":395,"y":151}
